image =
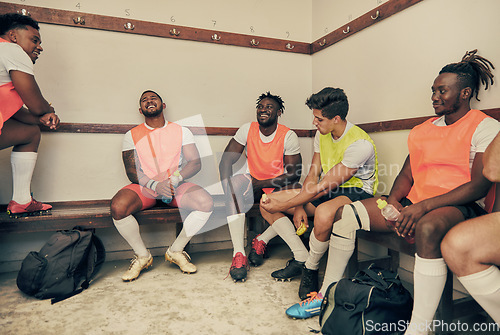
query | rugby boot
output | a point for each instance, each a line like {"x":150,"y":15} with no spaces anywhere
{"x":292,"y":269}
{"x":137,"y":264}
{"x":308,"y":283}
{"x":306,"y":308}
{"x":182,"y":259}
{"x":239,"y":267}
{"x":258,"y":252}
{"x":32,"y":208}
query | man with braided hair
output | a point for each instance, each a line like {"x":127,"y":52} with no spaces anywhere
{"x":20,"y":46}
{"x":438,"y":186}
{"x":344,"y":168}
{"x":273,"y":162}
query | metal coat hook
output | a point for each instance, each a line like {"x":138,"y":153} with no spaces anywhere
{"x":377,"y":14}
{"x":254,"y":42}
{"x":24,"y":12}
{"x":129,"y":26}
{"x":174,"y":32}
{"x":347,"y":31}
{"x":322,"y":43}
{"x":215,"y":37}
{"x":289,"y":46}
{"x":79,"y":20}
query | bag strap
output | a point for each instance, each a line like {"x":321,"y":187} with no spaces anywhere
{"x":377,"y":278}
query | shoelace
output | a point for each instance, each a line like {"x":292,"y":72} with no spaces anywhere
{"x":239,"y":261}
{"x":312,"y":296}
{"x":259,"y":246}
{"x":133,"y":261}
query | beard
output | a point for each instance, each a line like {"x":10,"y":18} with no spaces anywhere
{"x":270,"y":121}
{"x":454,"y":108}
{"x":154,"y":113}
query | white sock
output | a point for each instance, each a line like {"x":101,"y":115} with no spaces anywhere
{"x":484,"y":287}
{"x":236,"y":224}
{"x":286,"y":230}
{"x":180,"y":242}
{"x":429,"y":278}
{"x":23,"y":164}
{"x":316,"y":250}
{"x":195,"y":221}
{"x":129,"y":230}
{"x":340,"y":252}
{"x":267,"y":235}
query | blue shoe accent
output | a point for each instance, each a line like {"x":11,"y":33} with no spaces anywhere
{"x":306,"y":308}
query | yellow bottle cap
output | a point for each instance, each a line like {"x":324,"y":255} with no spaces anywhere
{"x":381,"y":203}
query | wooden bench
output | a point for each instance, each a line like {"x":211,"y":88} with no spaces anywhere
{"x":96,"y":214}
{"x":448,"y":309}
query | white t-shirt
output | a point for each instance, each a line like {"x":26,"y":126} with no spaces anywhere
{"x":291,"y":144}
{"x":13,"y":57}
{"x":187,"y":138}
{"x":482,"y":137}
{"x":359,"y":155}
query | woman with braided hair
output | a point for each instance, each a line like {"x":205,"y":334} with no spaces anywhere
{"x":440,"y":185}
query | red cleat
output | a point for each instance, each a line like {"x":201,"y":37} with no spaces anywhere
{"x":32,"y":208}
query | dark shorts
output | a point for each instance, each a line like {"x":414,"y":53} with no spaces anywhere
{"x":353,"y":193}
{"x":469,"y":211}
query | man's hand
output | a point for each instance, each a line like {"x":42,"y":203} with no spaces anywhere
{"x":300,"y":216}
{"x":272,"y":205}
{"x":50,"y":120}
{"x":409,"y":217}
{"x":165,"y":188}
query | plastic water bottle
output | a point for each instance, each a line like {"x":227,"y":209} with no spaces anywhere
{"x":166,"y":199}
{"x":391,"y":214}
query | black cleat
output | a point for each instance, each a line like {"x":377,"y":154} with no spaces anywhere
{"x":292,"y":269}
{"x":308,"y":283}
{"x":239,"y":266}
{"x":258,"y":252}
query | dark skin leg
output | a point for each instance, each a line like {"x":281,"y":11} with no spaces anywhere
{"x":23,"y":137}
{"x":430,"y":229}
{"x":127,"y":202}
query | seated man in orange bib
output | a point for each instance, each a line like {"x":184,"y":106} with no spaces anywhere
{"x":274,"y":162}
{"x":438,"y":186}
{"x":158,"y":156}
{"x":20,"y":46}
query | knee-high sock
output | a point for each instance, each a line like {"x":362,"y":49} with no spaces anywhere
{"x":340,"y":252}
{"x":484,"y":287}
{"x":195,"y":221}
{"x":316,"y":250}
{"x":23,"y":165}
{"x":429,"y":278}
{"x":129,"y":230}
{"x":267,"y":235}
{"x":236,"y":224}
{"x":286,"y":230}
{"x":192,"y":224}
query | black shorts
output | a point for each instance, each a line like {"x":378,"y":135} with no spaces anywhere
{"x":353,"y":193}
{"x":469,"y":211}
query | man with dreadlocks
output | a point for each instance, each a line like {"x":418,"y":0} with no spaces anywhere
{"x":343,"y":169}
{"x":273,"y":162}
{"x":438,"y":186}
{"x":20,"y":46}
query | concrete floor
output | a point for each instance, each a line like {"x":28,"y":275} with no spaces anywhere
{"x":165,"y":301}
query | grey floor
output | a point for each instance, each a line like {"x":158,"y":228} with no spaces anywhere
{"x":165,"y":301}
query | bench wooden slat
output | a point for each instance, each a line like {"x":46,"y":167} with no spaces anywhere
{"x":94,"y":214}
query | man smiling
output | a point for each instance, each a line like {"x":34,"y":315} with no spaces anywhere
{"x":274,"y":162}
{"x":343,"y":169}
{"x":20,"y":47}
